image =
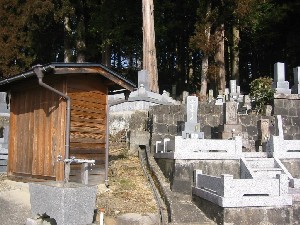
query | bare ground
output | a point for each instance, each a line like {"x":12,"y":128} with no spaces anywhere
{"x":129,"y":191}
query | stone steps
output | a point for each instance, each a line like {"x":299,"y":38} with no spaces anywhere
{"x":260,"y":162}
{"x":263,"y":167}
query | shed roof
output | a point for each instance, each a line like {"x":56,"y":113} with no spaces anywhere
{"x":117,"y":80}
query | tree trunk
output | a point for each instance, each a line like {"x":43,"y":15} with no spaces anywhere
{"x":67,"y":40}
{"x":80,"y":42}
{"x":106,"y":60}
{"x":235,"y":53}
{"x":149,"y":50}
{"x":204,"y":67}
{"x":219,"y":58}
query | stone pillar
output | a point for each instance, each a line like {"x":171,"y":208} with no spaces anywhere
{"x":143,"y":79}
{"x":296,"y":87}
{"x":280,"y":85}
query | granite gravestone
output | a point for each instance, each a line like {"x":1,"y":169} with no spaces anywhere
{"x":231,"y":113}
{"x":143,"y":79}
{"x":191,"y":126}
{"x":231,"y":128}
{"x":296,"y":87}
{"x":280,"y":85}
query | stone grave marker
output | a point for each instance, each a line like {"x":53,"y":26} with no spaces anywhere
{"x":232,"y":86}
{"x":143,"y":79}
{"x":231,"y":113}
{"x":191,"y":126}
{"x":296,"y":87}
{"x":191,"y":109}
{"x":280,"y":85}
{"x":263,"y":130}
{"x":210,"y":95}
{"x":226,"y":94}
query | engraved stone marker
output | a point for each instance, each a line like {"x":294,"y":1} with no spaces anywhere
{"x":233,"y":86}
{"x":279,"y":75}
{"x":143,"y":79}
{"x":231,"y":113}
{"x":191,"y":126}
{"x":191,"y":109}
{"x":296,"y":87}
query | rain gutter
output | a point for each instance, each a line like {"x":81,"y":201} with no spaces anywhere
{"x":38,"y":70}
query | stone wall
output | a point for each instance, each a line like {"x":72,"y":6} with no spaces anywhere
{"x":287,"y":215}
{"x":165,"y":123}
{"x":180,"y":172}
{"x":289,"y":107}
{"x":132,"y":123}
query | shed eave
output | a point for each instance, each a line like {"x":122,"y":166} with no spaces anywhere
{"x":69,"y":68}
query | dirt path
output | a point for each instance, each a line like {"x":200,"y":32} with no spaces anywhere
{"x":14,"y":202}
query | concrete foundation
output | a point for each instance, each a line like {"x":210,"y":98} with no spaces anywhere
{"x":248,"y":215}
{"x":180,"y":172}
{"x":68,"y":204}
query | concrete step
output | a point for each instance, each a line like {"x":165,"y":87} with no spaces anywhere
{"x":260,"y":162}
{"x":205,"y":223}
{"x":266,"y":172}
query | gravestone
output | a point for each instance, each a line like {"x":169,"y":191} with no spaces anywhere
{"x":143,"y":79}
{"x":232,"y":86}
{"x":246,"y":105}
{"x":210,"y":95}
{"x":280,"y":85}
{"x":226,"y":94}
{"x":231,"y":113}
{"x":233,"y":90}
{"x":296,"y":87}
{"x":220,"y":100}
{"x":174,"y":91}
{"x":185,"y":94}
{"x":191,"y":126}
{"x":263,"y":132}
{"x":231,"y":128}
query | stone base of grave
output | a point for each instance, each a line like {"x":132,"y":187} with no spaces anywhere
{"x":67,"y":203}
{"x":296,"y":89}
{"x":228,"y":131}
{"x":249,"y":215}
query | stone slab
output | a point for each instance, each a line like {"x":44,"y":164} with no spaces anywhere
{"x":68,"y":204}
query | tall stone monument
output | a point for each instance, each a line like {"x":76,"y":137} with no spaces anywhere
{"x":280,"y":85}
{"x":296,"y":87}
{"x":191,"y":126}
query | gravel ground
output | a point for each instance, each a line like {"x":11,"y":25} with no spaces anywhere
{"x":14,"y":202}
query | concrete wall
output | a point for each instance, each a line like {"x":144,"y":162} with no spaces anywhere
{"x":289,"y":107}
{"x":249,"y":215}
{"x":134,"y":124}
{"x":180,"y":172}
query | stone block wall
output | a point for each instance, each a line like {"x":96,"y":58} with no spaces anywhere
{"x":165,"y":120}
{"x":289,"y":107}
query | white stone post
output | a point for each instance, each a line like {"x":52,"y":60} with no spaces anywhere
{"x":226,"y":180}
{"x":283,"y":184}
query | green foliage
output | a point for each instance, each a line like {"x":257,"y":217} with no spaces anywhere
{"x":262,"y":92}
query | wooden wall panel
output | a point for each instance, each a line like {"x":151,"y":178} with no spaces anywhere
{"x":37,"y":132}
{"x":88,"y":118}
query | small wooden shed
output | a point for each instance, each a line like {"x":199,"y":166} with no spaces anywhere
{"x":38,"y":117}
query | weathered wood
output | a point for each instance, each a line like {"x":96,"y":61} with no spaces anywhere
{"x":37,"y":127}
{"x":87,"y":151}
